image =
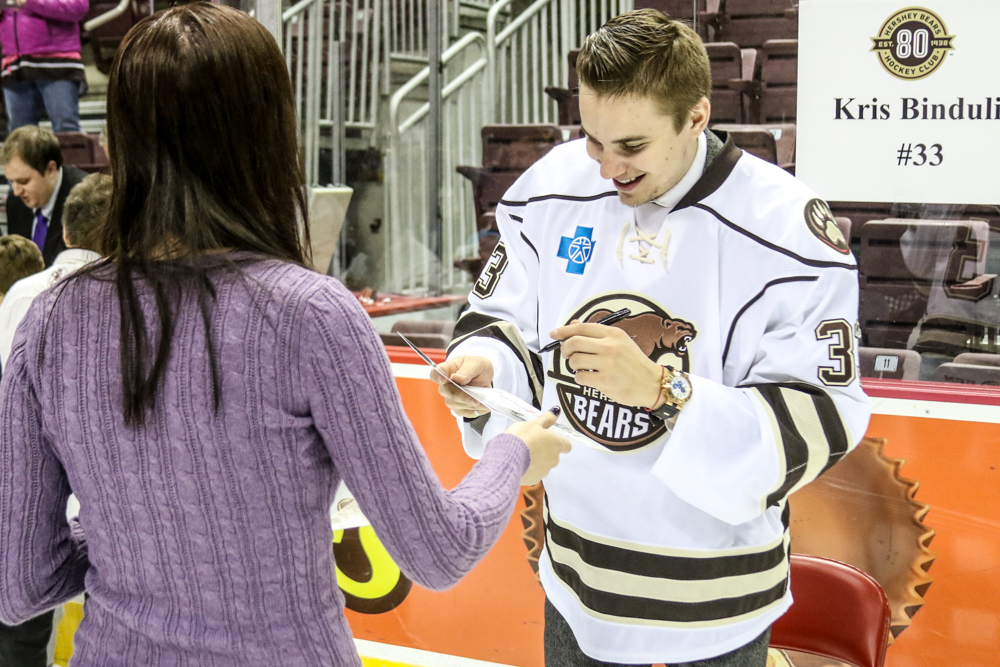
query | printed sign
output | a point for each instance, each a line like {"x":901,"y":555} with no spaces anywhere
{"x":897,"y":102}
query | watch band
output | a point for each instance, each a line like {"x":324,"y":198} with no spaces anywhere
{"x":665,"y":411}
{"x":672,"y":404}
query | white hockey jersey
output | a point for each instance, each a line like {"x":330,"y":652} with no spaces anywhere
{"x":672,"y":546}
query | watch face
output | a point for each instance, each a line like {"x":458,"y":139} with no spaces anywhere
{"x":680,"y":388}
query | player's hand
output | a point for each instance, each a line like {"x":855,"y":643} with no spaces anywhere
{"x":607,"y":359}
{"x":544,"y":445}
{"x":473,"y":371}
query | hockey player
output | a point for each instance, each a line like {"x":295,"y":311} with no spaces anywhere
{"x":731,"y":383}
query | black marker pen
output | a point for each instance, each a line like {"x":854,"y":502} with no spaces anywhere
{"x":610,"y":319}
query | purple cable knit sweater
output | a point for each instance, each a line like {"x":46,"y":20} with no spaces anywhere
{"x":208,"y":541}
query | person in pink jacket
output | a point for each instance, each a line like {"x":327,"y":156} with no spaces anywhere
{"x":41,"y":66}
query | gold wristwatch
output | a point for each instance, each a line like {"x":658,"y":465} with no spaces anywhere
{"x":676,"y":388}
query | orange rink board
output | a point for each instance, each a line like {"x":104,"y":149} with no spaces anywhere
{"x":952,"y":447}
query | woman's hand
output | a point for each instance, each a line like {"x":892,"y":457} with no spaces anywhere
{"x":544,"y":445}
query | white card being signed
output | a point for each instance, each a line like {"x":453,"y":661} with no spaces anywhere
{"x":508,"y":405}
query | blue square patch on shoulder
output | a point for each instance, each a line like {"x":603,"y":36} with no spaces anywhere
{"x":577,"y":250}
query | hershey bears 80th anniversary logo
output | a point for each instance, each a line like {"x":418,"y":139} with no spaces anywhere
{"x":663,"y":338}
{"x":912,"y":43}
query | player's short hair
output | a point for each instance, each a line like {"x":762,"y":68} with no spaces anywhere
{"x":35,"y":145}
{"x":86,"y":212}
{"x":19,"y":258}
{"x":644,"y":53}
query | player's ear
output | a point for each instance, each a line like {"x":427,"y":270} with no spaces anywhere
{"x":699,"y":116}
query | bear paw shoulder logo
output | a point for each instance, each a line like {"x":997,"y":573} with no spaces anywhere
{"x":661,"y":337}
{"x":912,"y":43}
{"x":820,"y":220}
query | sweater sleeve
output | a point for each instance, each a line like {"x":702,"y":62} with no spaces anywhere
{"x":435,"y":536}
{"x":70,"y":11}
{"x":44,"y":559}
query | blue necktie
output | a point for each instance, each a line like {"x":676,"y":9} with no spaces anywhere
{"x":41,"y":230}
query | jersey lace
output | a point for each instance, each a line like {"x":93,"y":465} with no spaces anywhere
{"x":645,"y":244}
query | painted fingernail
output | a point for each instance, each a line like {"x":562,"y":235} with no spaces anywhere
{"x":555,"y":409}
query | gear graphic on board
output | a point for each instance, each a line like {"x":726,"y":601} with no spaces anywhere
{"x":863,"y":512}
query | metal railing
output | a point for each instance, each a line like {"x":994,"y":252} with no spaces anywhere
{"x":333,"y":51}
{"x":528,"y":52}
{"x":409,"y":261}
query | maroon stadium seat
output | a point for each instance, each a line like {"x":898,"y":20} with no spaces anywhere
{"x":750,"y":23}
{"x":968,"y":374}
{"x":886,"y":363}
{"x":517,"y":147}
{"x":105,"y":39}
{"x":777,"y":147}
{"x":77,"y":148}
{"x":682,"y":10}
{"x":508,"y":150}
{"x":903,"y":263}
{"x":861,"y":212}
{"x":754,"y":139}
{"x":978,"y":359}
{"x":567,"y":101}
{"x":840,"y":613}
{"x":844,"y":225}
{"x":779,"y":75}
{"x":82,"y":150}
{"x":732,"y":88}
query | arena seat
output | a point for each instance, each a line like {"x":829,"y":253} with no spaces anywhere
{"x":489,"y":235}
{"x":682,"y":10}
{"x":905,"y":265}
{"x":76,"y":148}
{"x":109,"y":35}
{"x":508,"y":150}
{"x":733,"y":85}
{"x":861,"y":212}
{"x":885,"y":363}
{"x":517,"y":147}
{"x":435,"y":334}
{"x":777,"y":147}
{"x":978,"y":359}
{"x":779,"y":80}
{"x":839,"y":613}
{"x":750,"y":23}
{"x":844,"y":225}
{"x":82,"y":150}
{"x":754,"y":139}
{"x":968,"y":374}
{"x":567,"y":101}
{"x":488,"y":187}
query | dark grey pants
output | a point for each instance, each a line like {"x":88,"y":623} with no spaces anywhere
{"x":26,"y":645}
{"x":561,"y":649}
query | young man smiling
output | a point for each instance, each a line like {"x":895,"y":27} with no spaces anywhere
{"x":730,"y":384}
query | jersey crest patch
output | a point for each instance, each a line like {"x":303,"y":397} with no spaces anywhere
{"x":577,"y":250}
{"x":820,"y":220}
{"x":663,"y":338}
{"x":490,"y":276}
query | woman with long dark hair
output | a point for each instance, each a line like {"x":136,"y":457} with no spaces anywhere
{"x":203,"y":393}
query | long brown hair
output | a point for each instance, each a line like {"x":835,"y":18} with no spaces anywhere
{"x":204,"y":159}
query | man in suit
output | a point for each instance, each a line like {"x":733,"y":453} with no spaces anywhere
{"x":39,"y":184}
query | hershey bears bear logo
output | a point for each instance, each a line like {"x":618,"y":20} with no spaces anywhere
{"x":663,"y":338}
{"x":823,"y":225}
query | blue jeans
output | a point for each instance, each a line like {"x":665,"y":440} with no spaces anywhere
{"x":26,"y":99}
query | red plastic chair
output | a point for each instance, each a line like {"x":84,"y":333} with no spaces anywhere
{"x":839,"y":613}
